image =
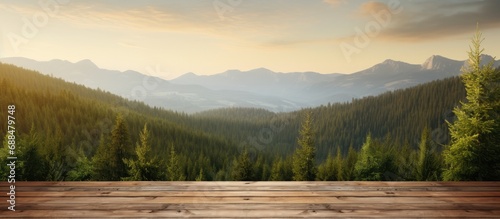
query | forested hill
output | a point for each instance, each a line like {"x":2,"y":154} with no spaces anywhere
{"x":397,"y":116}
{"x":65,"y":123}
{"x":61,"y":125}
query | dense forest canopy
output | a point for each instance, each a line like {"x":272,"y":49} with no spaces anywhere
{"x":65,"y":131}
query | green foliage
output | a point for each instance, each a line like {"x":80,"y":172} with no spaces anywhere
{"x":82,"y":170}
{"x":475,"y":146}
{"x":174,"y":169}
{"x":304,"y":167}
{"x":376,"y":161}
{"x":146,"y":166}
{"x":281,"y":169}
{"x":201,"y":176}
{"x":429,"y":163}
{"x":32,"y":164}
{"x":348,"y":165}
{"x":331,"y":169}
{"x":243,"y":169}
{"x":119,"y":149}
{"x":100,"y":161}
{"x":368,"y":166}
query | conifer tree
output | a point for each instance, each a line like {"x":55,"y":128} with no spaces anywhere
{"x":101,"y":161}
{"x":243,"y":169}
{"x":120,"y":149}
{"x":304,"y":167}
{"x":474,"y":151}
{"x":146,"y":166}
{"x":173,"y":168}
{"x":428,"y":165}
{"x":33,"y":166}
{"x":348,"y":164}
{"x":369,"y":164}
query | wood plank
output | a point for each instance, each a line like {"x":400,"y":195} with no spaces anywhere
{"x":260,"y":199}
{"x":259,"y":214}
{"x":256,"y":206}
{"x":261,"y":193}
{"x":254,"y":199}
{"x":261,"y":183}
{"x":92,"y":187}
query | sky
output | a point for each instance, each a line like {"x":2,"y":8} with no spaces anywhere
{"x":205,"y":37}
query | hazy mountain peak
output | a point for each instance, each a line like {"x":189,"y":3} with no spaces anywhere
{"x":437,"y":62}
{"x":389,"y":66}
{"x":87,"y":63}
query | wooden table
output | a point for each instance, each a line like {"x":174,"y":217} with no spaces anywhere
{"x":253,"y":199}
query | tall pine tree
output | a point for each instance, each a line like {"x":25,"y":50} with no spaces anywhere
{"x":146,"y":166}
{"x":243,"y":169}
{"x":475,"y":135}
{"x":304,"y":167}
{"x":173,"y":168}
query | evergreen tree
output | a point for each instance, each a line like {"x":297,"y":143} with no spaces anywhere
{"x":348,"y":164}
{"x":475,"y":135}
{"x":201,"y":176}
{"x":277,"y":170}
{"x":119,"y":149}
{"x":146,"y":166}
{"x":83,"y":168}
{"x":174,"y":168}
{"x":243,"y":169}
{"x":428,"y":165}
{"x":33,"y":166}
{"x":101,"y":161}
{"x":369,"y":164}
{"x":304,"y":167}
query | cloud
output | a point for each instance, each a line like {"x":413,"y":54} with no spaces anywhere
{"x":437,"y":19}
{"x":372,"y":7}
{"x":335,"y":3}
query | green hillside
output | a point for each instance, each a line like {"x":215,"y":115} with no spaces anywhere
{"x":60,"y":126}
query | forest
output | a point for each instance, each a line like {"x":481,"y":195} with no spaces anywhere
{"x":65,"y":131}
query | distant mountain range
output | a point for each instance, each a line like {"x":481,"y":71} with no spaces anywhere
{"x":258,"y":88}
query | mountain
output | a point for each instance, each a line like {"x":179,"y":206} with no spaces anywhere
{"x":59,"y":127}
{"x":257,"y":88}
{"x":152,"y":90}
{"x":313,"y":89}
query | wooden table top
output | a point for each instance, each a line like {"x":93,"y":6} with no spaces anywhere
{"x":253,"y":199}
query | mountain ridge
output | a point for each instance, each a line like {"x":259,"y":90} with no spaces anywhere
{"x":258,"y":88}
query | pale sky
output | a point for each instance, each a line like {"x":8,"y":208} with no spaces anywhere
{"x":212,"y":36}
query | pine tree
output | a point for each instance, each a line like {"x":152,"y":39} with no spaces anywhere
{"x":201,"y":176}
{"x":349,"y":163}
{"x":277,"y":170}
{"x":243,"y":169}
{"x":173,"y":168}
{"x":82,"y":170}
{"x":33,"y":166}
{"x":146,"y":166}
{"x":369,"y":164}
{"x":327,"y":170}
{"x":119,"y":149}
{"x":101,"y":161}
{"x":428,"y":165}
{"x":304,"y":167}
{"x":475,"y":135}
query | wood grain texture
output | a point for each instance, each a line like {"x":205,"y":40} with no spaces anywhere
{"x":253,"y":199}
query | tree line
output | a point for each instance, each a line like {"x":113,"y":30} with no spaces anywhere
{"x":443,"y":130}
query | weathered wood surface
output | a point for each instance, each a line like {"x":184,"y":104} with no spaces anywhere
{"x":254,"y":199}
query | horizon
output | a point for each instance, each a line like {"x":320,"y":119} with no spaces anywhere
{"x":206,"y":38}
{"x":240,"y":70}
